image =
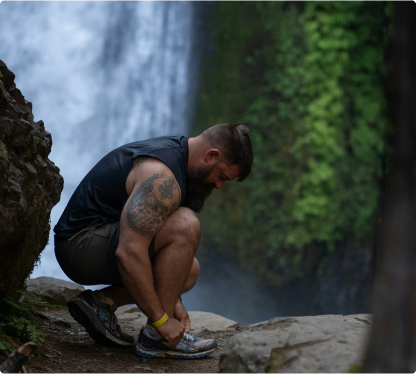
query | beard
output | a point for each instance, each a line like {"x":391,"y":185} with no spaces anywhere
{"x":197,"y":189}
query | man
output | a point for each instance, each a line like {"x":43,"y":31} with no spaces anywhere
{"x":131,"y":224}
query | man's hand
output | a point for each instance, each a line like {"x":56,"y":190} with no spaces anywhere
{"x":182,"y":315}
{"x":172,"y":331}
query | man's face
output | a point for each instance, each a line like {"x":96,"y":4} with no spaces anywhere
{"x":202,"y":180}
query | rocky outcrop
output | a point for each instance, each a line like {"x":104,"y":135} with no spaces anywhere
{"x":30,"y":185}
{"x":53,"y":291}
{"x":323,"y":344}
{"x":327,"y":343}
{"x":59,"y":292}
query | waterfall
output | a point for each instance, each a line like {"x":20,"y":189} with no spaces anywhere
{"x":100,"y":74}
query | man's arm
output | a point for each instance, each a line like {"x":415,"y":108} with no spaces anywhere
{"x":152,"y":203}
{"x":155,"y":196}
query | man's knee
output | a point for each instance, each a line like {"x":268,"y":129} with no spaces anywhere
{"x":183,"y":226}
{"x":189,"y":225}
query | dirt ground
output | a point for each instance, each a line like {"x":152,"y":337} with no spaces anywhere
{"x":69,"y":349}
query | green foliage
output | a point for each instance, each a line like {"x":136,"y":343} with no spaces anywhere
{"x":308,"y":78}
{"x":355,"y":368}
{"x":19,"y":322}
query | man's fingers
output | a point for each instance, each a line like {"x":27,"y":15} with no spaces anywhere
{"x":172,"y":343}
{"x":171,"y":331}
{"x":187,"y":325}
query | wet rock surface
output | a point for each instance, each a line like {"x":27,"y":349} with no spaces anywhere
{"x":30,"y":185}
{"x":323,"y":344}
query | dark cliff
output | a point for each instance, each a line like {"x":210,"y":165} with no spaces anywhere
{"x":30,"y":185}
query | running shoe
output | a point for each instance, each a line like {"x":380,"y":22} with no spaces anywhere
{"x":150,"y":344}
{"x":98,"y":318}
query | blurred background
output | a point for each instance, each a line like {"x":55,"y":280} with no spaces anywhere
{"x":307,"y":77}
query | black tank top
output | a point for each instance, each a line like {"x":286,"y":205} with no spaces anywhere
{"x":102,"y":193}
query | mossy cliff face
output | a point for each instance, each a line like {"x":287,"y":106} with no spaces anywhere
{"x":30,"y":185}
{"x":307,"y":77}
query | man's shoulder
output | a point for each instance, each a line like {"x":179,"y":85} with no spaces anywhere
{"x":166,"y":155}
{"x":159,"y":142}
{"x":149,"y":163}
{"x":146,"y":168}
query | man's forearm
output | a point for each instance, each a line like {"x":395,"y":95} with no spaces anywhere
{"x":136,"y":275}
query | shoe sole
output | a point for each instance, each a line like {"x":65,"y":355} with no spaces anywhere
{"x":83,"y":314}
{"x":141,"y":352}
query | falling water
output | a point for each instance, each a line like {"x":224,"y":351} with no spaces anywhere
{"x":100,"y":74}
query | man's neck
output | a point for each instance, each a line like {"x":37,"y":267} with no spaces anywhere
{"x":197,"y":148}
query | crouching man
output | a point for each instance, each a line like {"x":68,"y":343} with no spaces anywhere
{"x":130,"y":224}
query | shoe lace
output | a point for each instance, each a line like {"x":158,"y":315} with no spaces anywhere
{"x":109,"y":311}
{"x":188,"y":337}
{"x":114,"y":323}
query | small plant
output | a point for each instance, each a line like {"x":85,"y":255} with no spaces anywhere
{"x":355,"y":368}
{"x":19,"y":320}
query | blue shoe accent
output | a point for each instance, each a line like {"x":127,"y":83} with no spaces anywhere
{"x":169,"y":355}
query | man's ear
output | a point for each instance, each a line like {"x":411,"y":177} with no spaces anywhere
{"x":212,"y":155}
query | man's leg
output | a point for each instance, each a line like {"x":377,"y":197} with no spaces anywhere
{"x":192,"y":277}
{"x":119,"y":294}
{"x":175,"y":271}
{"x":175,"y":268}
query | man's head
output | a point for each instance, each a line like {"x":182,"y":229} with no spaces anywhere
{"x":225,"y":153}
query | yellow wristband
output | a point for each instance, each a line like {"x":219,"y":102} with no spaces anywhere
{"x":161,"y":321}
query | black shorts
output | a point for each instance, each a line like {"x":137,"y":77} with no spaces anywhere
{"x":89,"y":257}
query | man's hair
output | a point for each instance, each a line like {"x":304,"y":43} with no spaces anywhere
{"x":233,"y":141}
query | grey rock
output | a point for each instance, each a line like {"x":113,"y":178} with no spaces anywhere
{"x":328,"y":343}
{"x":53,"y":291}
{"x":127,"y":309}
{"x":136,"y":318}
{"x":210,"y":321}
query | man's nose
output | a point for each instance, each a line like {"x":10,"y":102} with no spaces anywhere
{"x":219,"y":184}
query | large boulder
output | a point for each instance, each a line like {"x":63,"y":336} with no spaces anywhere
{"x":30,"y":185}
{"x":320,"y":344}
{"x":53,"y":291}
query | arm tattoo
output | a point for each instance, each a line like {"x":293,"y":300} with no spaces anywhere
{"x":150,"y":206}
{"x":140,"y":161}
{"x":166,"y":189}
